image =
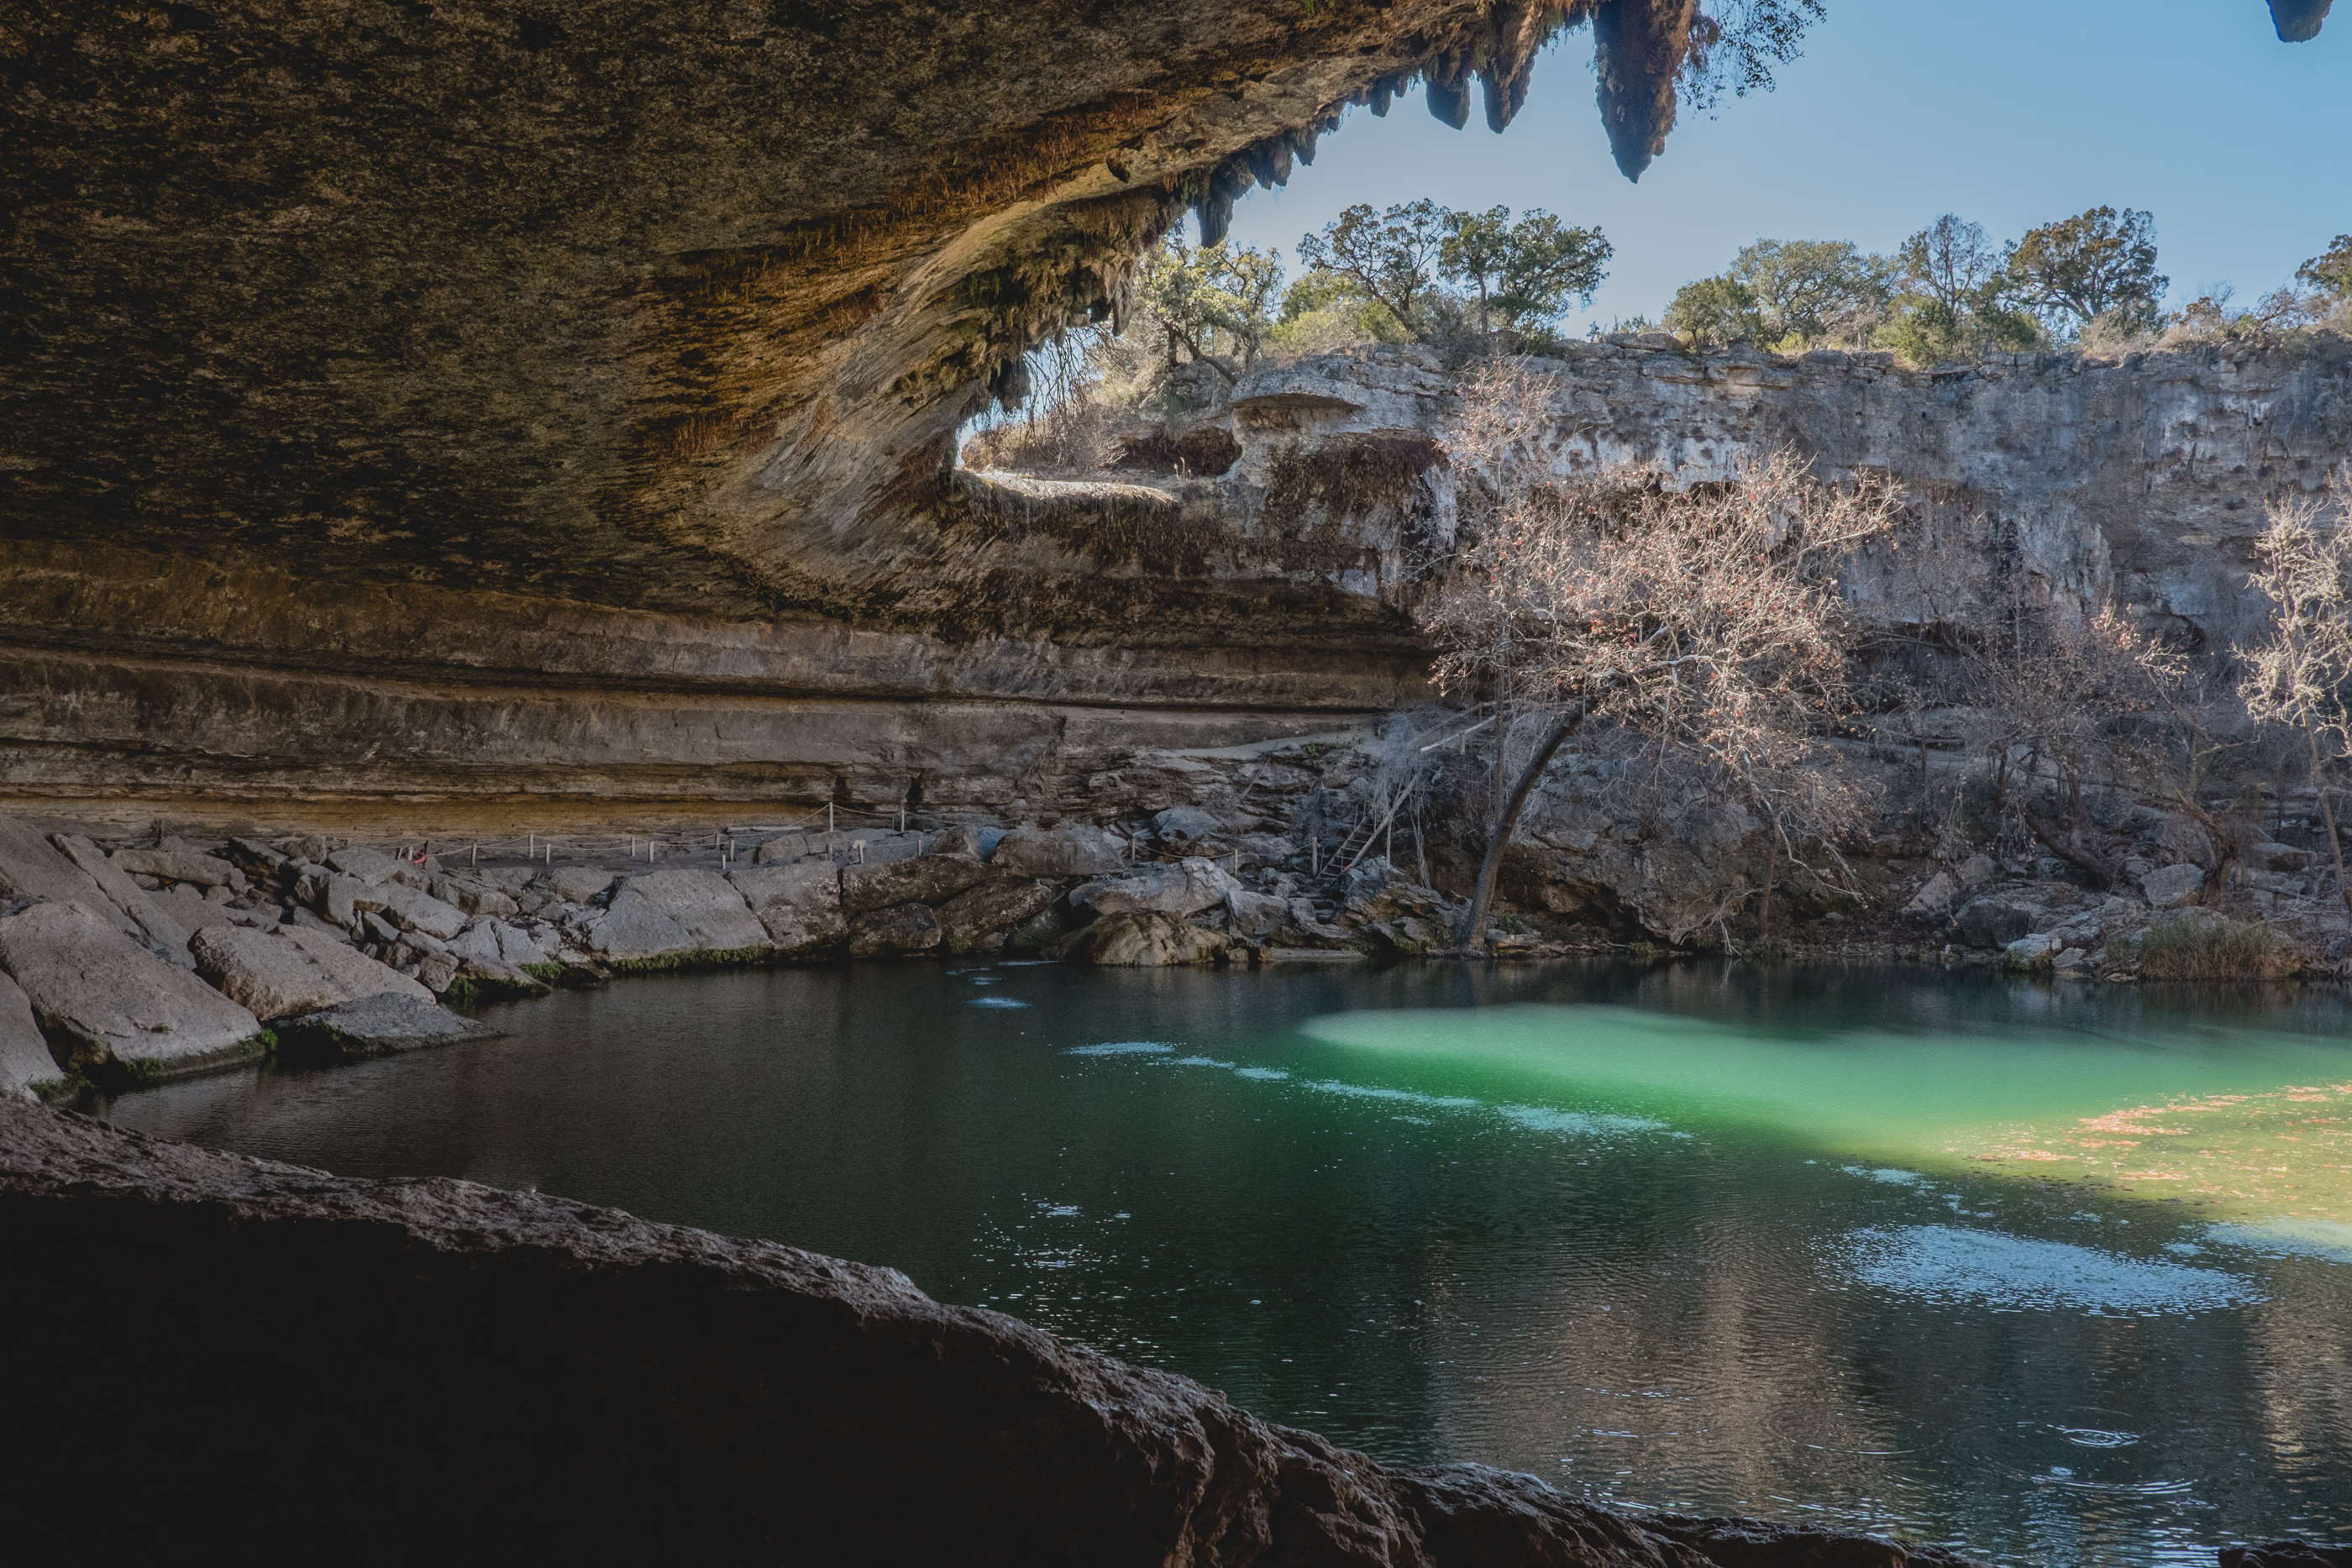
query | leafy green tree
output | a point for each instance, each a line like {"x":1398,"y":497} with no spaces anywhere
{"x":1214,"y":302}
{"x":1950,"y":261}
{"x":1805,"y":287}
{"x":1392,"y":256}
{"x":1951,"y":299}
{"x":1525,"y":272}
{"x":1719,"y":309}
{"x":2098,"y":263}
{"x":2330,"y":273}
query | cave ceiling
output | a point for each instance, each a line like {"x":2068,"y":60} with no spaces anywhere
{"x":671,"y":307}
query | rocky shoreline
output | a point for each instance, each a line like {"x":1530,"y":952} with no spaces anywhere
{"x":126,"y":959}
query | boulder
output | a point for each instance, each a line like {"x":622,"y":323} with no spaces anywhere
{"x":491,"y":978}
{"x":476,"y":898}
{"x":925,"y":879}
{"x":1150,"y":938}
{"x":32,"y":867}
{"x":1180,"y":828}
{"x":1975,"y":871}
{"x":498,"y":942}
{"x":961,"y":839}
{"x":437,"y":972}
{"x":877,"y":849}
{"x":904,"y":929}
{"x":106,"y":1002}
{"x":413,"y":910}
{"x":575,"y":883}
{"x":704,"y":904}
{"x":2029,"y":952}
{"x":1935,"y":896}
{"x":978,"y":919}
{"x":2173,"y":885}
{"x":1066,"y":850}
{"x":1256,"y":915}
{"x":25,"y":1059}
{"x":366,"y":865}
{"x":798,"y":904}
{"x":272,"y":974}
{"x":1265,"y":849}
{"x":1185,"y":888}
{"x":2186,"y":840}
{"x":791,"y":847}
{"x":2270,"y":857}
{"x":345,"y":899}
{"x":181,"y":865}
{"x":1995,"y":921}
{"x":374,"y":1025}
{"x":167,"y":933}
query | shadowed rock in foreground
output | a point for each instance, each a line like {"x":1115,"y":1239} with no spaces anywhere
{"x":367,"y":1366}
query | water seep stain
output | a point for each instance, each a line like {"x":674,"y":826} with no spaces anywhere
{"x":1944,"y":1263}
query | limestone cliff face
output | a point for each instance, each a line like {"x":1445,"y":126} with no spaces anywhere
{"x":2140,"y":481}
{"x":1137,"y":613}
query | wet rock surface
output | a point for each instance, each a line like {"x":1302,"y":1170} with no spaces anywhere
{"x":523,"y":1372}
{"x":375,"y":1025}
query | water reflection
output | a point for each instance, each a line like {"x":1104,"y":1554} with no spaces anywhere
{"x":1690,"y":1239}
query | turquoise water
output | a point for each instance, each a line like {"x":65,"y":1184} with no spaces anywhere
{"x":2053,"y":1276}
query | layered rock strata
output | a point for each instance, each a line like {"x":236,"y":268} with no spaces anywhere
{"x":416,"y":1362}
{"x":1089,"y":622}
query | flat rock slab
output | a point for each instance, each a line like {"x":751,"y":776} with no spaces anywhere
{"x":166,"y":929}
{"x":181,"y":865}
{"x":376,"y":1026}
{"x":32,"y":867}
{"x":105,"y":1002}
{"x":272,"y":974}
{"x":24,"y":1058}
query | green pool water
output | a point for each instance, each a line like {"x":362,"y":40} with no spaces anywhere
{"x":2054,"y":1276}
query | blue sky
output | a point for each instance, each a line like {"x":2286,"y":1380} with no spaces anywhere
{"x":2011,"y":112}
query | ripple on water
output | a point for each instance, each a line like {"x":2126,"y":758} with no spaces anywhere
{"x":1946,"y":1262}
{"x":1123,"y":1047}
{"x":2323,"y":1238}
{"x":1576,"y":1124}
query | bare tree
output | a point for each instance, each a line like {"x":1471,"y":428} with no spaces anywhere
{"x":1709,"y":622}
{"x":2052,"y":690}
{"x":2298,"y":674}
